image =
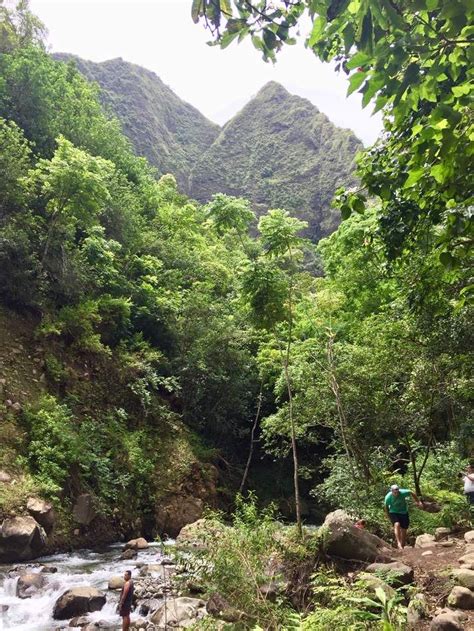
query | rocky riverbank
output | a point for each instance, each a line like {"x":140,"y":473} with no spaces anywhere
{"x":434,"y":579}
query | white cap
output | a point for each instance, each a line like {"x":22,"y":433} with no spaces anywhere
{"x":394,"y":487}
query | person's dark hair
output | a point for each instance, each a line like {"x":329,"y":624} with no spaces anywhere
{"x":128,"y":572}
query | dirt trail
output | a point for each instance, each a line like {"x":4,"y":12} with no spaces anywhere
{"x":432,"y":573}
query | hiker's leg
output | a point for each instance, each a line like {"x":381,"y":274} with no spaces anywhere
{"x":398,"y":534}
{"x":126,"y":623}
{"x":403,"y":536}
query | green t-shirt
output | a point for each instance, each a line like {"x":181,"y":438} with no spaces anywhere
{"x":398,"y":503}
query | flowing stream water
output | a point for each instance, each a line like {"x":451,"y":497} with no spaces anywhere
{"x":80,"y":568}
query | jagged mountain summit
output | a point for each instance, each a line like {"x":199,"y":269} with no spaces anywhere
{"x":278,"y":151}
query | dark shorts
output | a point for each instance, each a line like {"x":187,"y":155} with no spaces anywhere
{"x":125,"y":611}
{"x":470,"y":497}
{"x":401,"y":518}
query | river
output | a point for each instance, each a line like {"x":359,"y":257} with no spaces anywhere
{"x":80,"y":568}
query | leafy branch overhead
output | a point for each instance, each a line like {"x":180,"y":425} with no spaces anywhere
{"x":412,"y":60}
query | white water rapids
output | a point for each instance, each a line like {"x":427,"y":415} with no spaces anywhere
{"x":83,"y":567}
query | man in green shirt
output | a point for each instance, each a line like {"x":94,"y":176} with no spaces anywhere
{"x":396,"y":509}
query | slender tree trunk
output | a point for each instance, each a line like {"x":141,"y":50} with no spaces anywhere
{"x":294,"y":449}
{"x":252,"y":440}
{"x":343,"y":427}
{"x":286,"y":364}
{"x":417,"y":473}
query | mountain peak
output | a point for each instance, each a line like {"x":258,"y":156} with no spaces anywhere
{"x":273,"y":90}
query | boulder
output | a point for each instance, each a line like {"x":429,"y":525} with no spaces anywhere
{"x":79,"y":621}
{"x":417,"y":610}
{"x":179,"y":612}
{"x":424,"y":541}
{"x":469,"y":536}
{"x":467,"y":561}
{"x":216,"y":604}
{"x":149,"y":606}
{"x":116,"y":582}
{"x":48,"y":569}
{"x":137,"y":544}
{"x":447,"y":621}
{"x":141,"y":623}
{"x":5,"y":477}
{"x":28,"y":584}
{"x":464,"y":577}
{"x":42,"y":512}
{"x":461,"y":598}
{"x":431,"y":507}
{"x":84,"y":511}
{"x":78,"y":601}
{"x":394,"y":573}
{"x":21,"y":539}
{"x":372,"y":582}
{"x":441,"y":533}
{"x":128,"y":554}
{"x":343,"y":540}
{"x":200,"y":534}
{"x":338,"y":516}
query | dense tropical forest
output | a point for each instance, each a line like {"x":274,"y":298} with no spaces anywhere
{"x":160,"y":355}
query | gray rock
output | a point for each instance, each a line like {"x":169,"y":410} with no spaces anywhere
{"x":78,"y":601}
{"x":79,"y":621}
{"x":216,"y":604}
{"x":417,"y":610}
{"x":21,"y":539}
{"x":447,"y":621}
{"x":48,"y":569}
{"x":343,"y":540}
{"x":137,"y":544}
{"x":461,"y":598}
{"x":467,"y":561}
{"x":128,"y":554}
{"x":116,"y":582}
{"x":463,"y":577}
{"x":84,"y":511}
{"x":42,"y":512}
{"x":338,"y":516}
{"x":424,"y":541}
{"x":178,"y":612}
{"x":29,"y":584}
{"x":5,"y":477}
{"x":469,"y":536}
{"x":373,"y":582}
{"x":149,"y":606}
{"x":395,"y":573}
{"x":441,"y":533}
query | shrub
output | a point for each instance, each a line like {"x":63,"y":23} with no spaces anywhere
{"x":53,"y":448}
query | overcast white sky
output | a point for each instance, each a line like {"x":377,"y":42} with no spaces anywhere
{"x":160,"y":35}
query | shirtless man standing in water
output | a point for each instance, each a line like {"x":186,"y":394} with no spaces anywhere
{"x":126,"y":599}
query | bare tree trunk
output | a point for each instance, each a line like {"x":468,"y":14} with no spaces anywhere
{"x":286,"y":363}
{"x":417,"y":473}
{"x":252,"y":440}
{"x":343,"y":426}
{"x":299,"y":523}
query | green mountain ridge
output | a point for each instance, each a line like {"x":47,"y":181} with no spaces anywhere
{"x":169,"y":132}
{"x":278,"y":151}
